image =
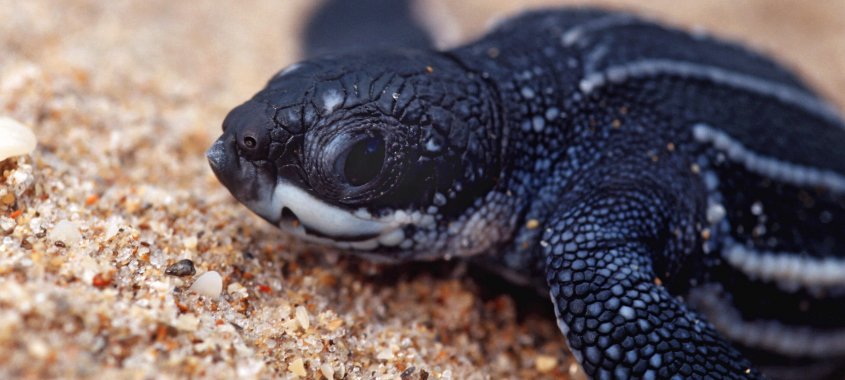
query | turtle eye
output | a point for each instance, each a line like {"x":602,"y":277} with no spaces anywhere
{"x":362,"y":161}
{"x":249,"y":142}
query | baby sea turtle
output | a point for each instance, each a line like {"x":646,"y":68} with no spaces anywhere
{"x":680,"y":198}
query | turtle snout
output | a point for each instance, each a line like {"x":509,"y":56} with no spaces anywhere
{"x":222,"y":157}
{"x":217,"y":153}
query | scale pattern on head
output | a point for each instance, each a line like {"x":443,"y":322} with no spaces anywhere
{"x":403,"y":142}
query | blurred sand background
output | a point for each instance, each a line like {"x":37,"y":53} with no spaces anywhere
{"x":125,"y":96}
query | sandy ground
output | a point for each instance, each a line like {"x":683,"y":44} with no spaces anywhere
{"x":125,"y":97}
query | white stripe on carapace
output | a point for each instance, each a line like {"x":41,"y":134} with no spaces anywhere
{"x":657,"y":67}
{"x":788,"y":270}
{"x":773,"y":168}
{"x":578,"y":32}
{"x":766,"y":334}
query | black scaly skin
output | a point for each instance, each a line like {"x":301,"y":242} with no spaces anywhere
{"x":632,"y":196}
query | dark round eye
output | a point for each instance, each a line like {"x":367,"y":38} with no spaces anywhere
{"x":249,"y":142}
{"x":363,"y":161}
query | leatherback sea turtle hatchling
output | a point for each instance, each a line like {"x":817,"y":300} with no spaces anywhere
{"x":681,"y":199}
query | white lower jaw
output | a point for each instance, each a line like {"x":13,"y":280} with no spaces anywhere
{"x":389,"y":238}
{"x":330,"y":220}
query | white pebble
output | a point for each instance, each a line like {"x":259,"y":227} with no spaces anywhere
{"x":447,"y":375}
{"x":327,"y":371}
{"x":190,"y":243}
{"x":302,"y":317}
{"x":38,"y":349}
{"x":66,"y":232}
{"x":7,"y":224}
{"x":297,"y":368}
{"x":209,"y":284}
{"x":112,"y":228}
{"x":17,"y":139}
{"x":385,"y":354}
{"x":187,"y":322}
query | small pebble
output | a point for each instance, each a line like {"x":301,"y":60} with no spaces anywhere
{"x":181,"y":268}
{"x":385,"y":354}
{"x":575,"y":371}
{"x":209,"y":284}
{"x":38,"y":349}
{"x":65,"y":232}
{"x":8,"y":199}
{"x":17,"y":139}
{"x":101,"y":280}
{"x":186,"y":322}
{"x":7,"y":224}
{"x":297,"y":367}
{"x":327,"y":371}
{"x":302,"y":317}
{"x":112,"y":228}
{"x":406,"y":374}
{"x":190,"y":242}
{"x":545,"y":363}
{"x":446,"y":375}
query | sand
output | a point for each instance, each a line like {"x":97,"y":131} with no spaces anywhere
{"x":124,"y":97}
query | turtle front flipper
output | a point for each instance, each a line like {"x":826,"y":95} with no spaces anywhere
{"x":603,"y":249}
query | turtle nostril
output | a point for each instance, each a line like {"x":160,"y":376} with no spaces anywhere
{"x":289,"y":217}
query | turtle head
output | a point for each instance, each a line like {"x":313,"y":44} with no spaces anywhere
{"x":387,"y":154}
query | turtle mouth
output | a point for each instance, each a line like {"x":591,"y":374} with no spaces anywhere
{"x":290,"y":222}
{"x":289,"y":219}
{"x":300,"y":213}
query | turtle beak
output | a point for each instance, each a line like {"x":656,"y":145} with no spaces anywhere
{"x":223,"y":159}
{"x":250,"y":183}
{"x":226,"y":164}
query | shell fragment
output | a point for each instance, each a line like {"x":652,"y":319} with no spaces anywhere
{"x":15,"y":138}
